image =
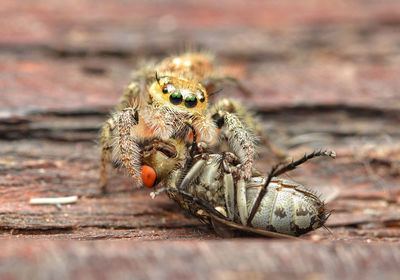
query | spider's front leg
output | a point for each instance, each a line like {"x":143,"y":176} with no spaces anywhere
{"x":244,"y":114}
{"x":130,"y":96}
{"x":128,"y":144}
{"x":109,"y":131}
{"x":239,"y":139}
{"x":118,"y":137}
{"x":248,"y":118}
{"x":106,"y":147}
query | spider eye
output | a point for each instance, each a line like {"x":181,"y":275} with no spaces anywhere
{"x":202,"y":99}
{"x":191,"y":102}
{"x":176,"y":98}
{"x":165,"y":89}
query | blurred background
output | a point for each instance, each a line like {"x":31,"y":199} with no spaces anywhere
{"x":323,"y":74}
{"x":80,"y":53}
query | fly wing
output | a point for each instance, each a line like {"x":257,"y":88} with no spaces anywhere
{"x":261,"y":232}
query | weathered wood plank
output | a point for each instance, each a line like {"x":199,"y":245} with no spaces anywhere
{"x":225,"y":259}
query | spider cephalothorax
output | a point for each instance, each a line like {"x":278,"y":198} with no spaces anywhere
{"x":180,"y":101}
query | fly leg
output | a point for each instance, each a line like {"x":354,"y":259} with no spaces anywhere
{"x":228,"y":185}
{"x":232,"y":182}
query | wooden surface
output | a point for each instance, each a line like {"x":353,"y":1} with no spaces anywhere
{"x":324,"y":74}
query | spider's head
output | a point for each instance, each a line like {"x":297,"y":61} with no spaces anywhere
{"x":187,"y":95}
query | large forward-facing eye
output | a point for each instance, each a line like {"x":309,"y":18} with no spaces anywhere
{"x":191,"y":101}
{"x":175,"y":98}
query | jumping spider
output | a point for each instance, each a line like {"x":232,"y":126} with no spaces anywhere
{"x":159,"y":103}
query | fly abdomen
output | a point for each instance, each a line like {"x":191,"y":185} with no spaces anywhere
{"x":287,"y":207}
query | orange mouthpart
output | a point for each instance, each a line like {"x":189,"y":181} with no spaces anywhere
{"x":149,"y":176}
